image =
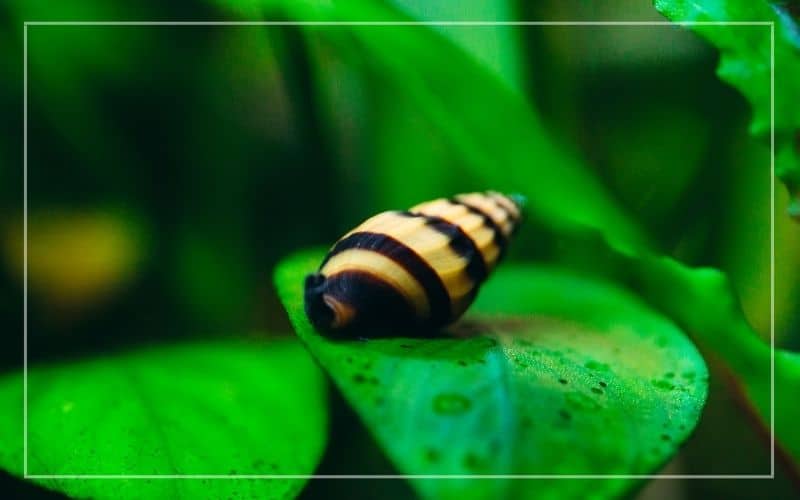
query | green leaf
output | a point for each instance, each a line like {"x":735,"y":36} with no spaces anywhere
{"x":497,"y":48}
{"x":205,"y":408}
{"x":745,"y":64}
{"x":491,"y":130}
{"x":551,"y":373}
{"x":703,"y":303}
{"x":708,"y":308}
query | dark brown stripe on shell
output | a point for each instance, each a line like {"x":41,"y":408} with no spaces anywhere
{"x":460,"y":243}
{"x":411,"y":261}
{"x":499,"y":238}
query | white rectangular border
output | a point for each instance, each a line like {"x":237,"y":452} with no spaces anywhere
{"x":771,"y":24}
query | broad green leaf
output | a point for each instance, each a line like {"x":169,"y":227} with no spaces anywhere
{"x":703,"y":303}
{"x":205,"y":408}
{"x":707,"y":308}
{"x":745,"y":64}
{"x":552,"y":373}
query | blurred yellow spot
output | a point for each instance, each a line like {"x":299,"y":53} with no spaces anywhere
{"x":74,"y":259}
{"x":67,"y":406}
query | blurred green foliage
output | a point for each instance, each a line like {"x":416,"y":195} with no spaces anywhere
{"x":746,"y":63}
{"x":204,"y":154}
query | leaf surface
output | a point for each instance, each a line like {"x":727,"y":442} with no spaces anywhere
{"x":205,"y":408}
{"x":709,"y":310}
{"x":551,"y":373}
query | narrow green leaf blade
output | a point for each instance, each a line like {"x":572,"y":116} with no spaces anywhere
{"x":210,"y":408}
{"x":466,"y":103}
{"x":555,"y":374}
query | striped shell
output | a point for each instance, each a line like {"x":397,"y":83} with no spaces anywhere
{"x":421,"y":267}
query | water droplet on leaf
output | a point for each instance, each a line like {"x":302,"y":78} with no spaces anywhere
{"x":451,"y":404}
